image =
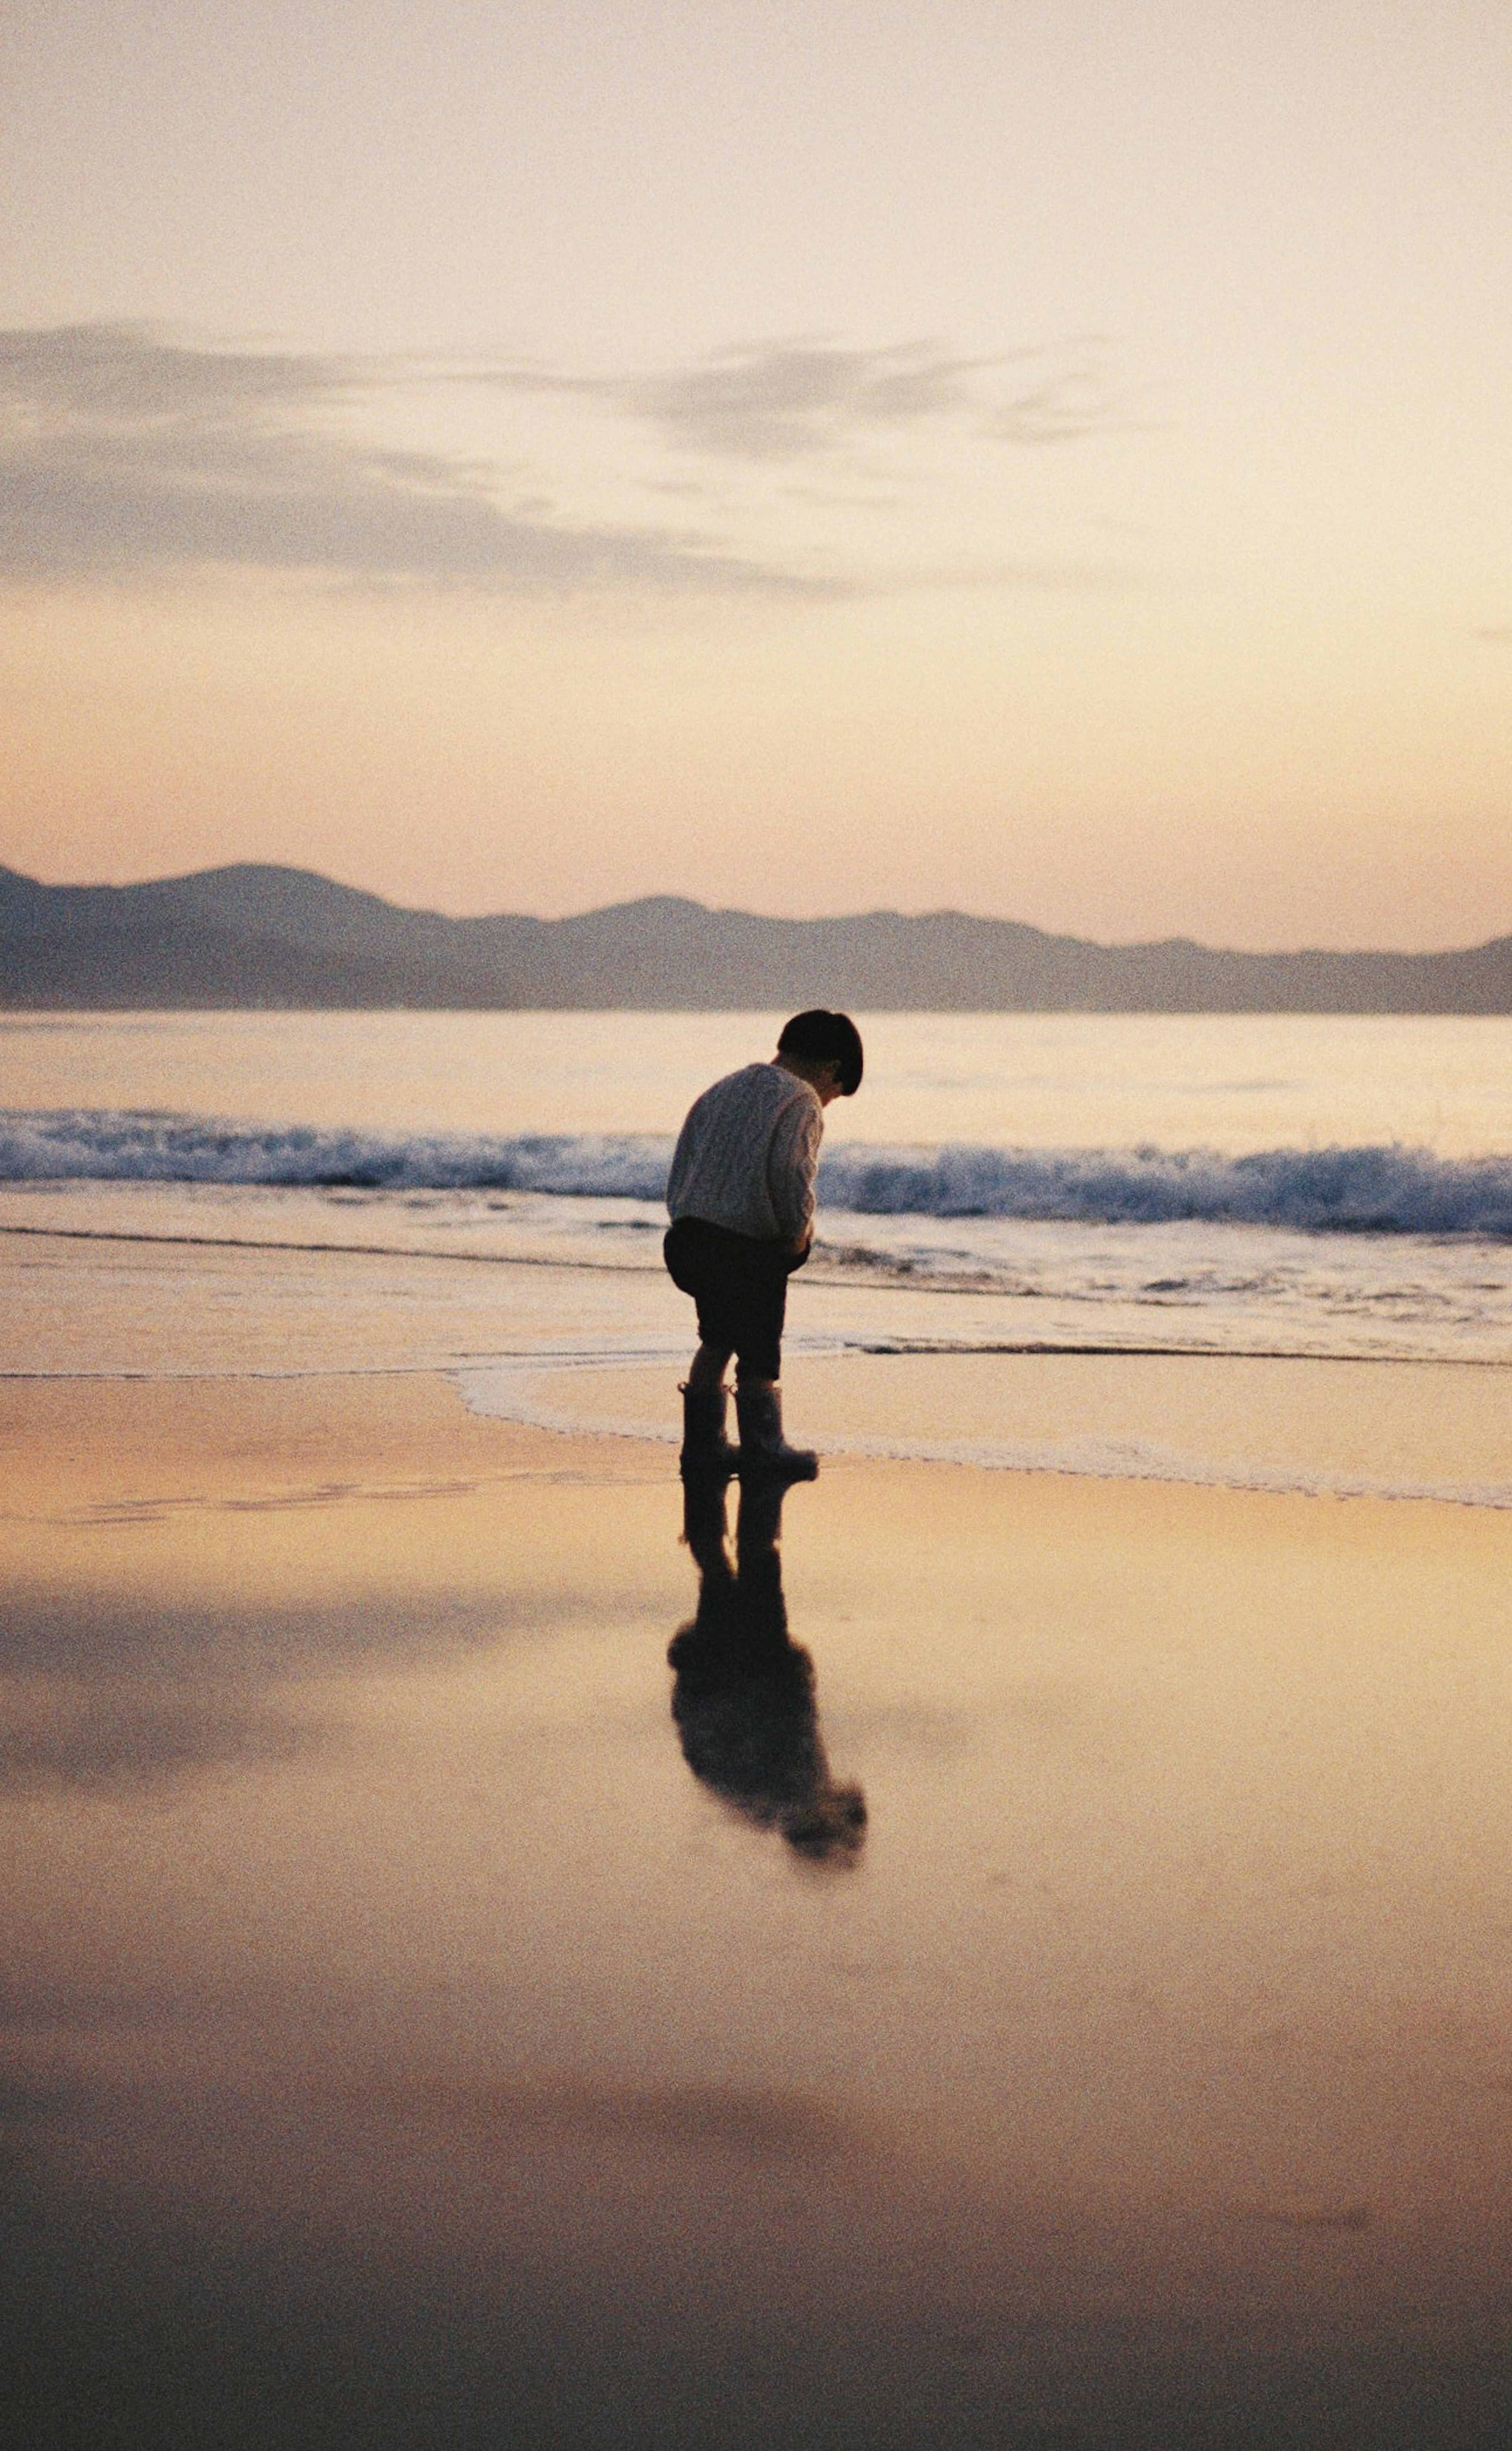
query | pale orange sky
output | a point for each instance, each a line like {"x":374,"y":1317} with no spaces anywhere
{"x":1052,"y":460}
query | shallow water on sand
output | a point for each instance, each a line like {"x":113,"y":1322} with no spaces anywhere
{"x":601,"y":1347}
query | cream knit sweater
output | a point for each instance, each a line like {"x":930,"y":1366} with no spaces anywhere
{"x":747,"y":1155}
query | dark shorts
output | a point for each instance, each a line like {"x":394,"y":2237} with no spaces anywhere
{"x":740,"y":1286}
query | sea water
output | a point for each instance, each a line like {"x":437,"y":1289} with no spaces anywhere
{"x":1296,"y":1188}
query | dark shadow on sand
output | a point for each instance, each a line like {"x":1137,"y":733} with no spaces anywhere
{"x":744,"y":1692}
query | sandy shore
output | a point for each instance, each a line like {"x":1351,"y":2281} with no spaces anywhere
{"x":430,"y":2021}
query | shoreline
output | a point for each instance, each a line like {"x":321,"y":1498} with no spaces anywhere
{"x":542,"y":1396}
{"x":566,"y":1343}
{"x":831,"y":1279}
{"x":1417,"y":1433}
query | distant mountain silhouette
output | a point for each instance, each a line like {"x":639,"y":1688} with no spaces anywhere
{"x":285,"y":937}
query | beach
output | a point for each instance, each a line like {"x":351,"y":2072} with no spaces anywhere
{"x":1009,"y":1946}
{"x":404,"y":2044}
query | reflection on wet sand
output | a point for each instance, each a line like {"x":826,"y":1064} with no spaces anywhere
{"x":113,"y":1694}
{"x":398,"y":2047}
{"x":744,"y":1694}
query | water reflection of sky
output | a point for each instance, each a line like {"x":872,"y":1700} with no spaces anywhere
{"x":398,"y":2044}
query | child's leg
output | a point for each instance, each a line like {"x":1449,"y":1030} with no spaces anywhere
{"x":694,"y":1270}
{"x":709,"y":1365}
{"x":758,"y":1336}
{"x":705,"y":1449}
{"x":759,"y":1367}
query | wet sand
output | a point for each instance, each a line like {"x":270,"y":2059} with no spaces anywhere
{"x":1344,"y":1427}
{"x":430,"y":2019}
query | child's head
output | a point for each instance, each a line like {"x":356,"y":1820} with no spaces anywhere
{"x":819,"y":1038}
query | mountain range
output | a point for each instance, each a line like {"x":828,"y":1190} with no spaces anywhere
{"x":285,"y":937}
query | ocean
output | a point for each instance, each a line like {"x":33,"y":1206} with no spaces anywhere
{"x":1293,"y":1188}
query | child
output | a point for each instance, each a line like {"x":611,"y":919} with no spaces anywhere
{"x":741,"y":1198}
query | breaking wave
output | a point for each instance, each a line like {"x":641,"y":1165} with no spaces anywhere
{"x":1382,"y":1189}
{"x":91,"y":1146}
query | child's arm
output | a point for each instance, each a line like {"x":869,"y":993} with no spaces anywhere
{"x":792,"y":1162}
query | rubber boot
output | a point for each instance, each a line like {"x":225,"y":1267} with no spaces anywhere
{"x":707,"y":1453}
{"x":764,"y":1450}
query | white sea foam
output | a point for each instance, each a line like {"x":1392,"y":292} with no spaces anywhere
{"x":86,"y":1145}
{"x":1384,"y":1189}
{"x":525,"y":1394}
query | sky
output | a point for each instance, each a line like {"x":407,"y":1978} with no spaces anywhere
{"x":1052,"y":460}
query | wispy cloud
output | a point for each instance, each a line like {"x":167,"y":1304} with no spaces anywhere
{"x":120,"y":377}
{"x":797,"y":399}
{"x":126,"y":454}
{"x":808,"y":400}
{"x":122,"y":452}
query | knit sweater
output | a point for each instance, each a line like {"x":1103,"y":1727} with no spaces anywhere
{"x":747,"y":1155}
